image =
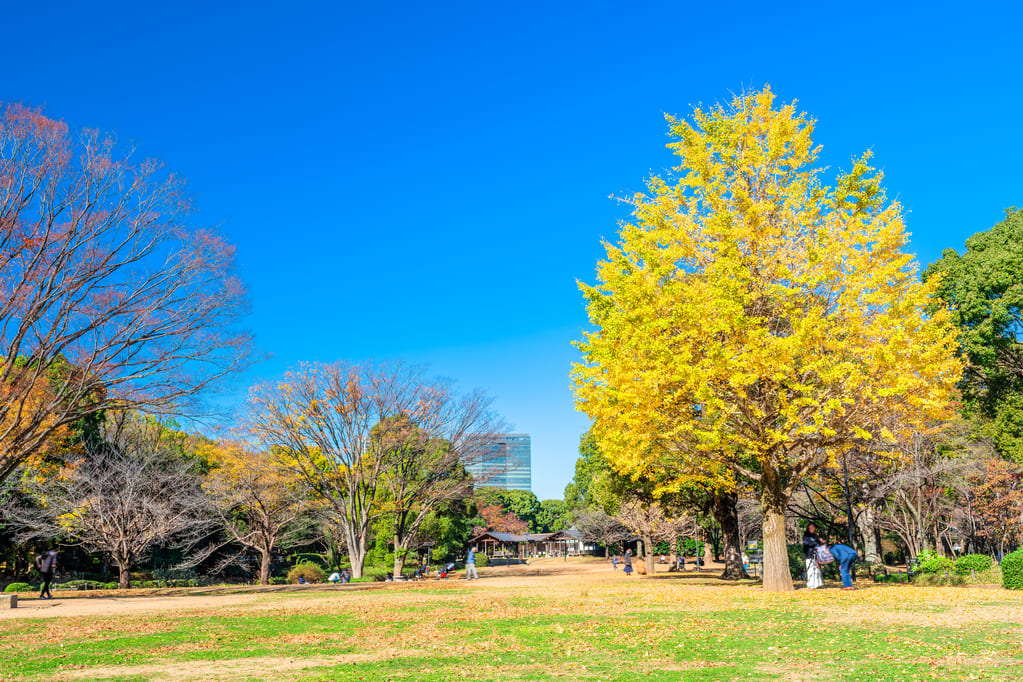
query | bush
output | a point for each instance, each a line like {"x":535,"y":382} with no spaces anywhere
{"x":1012,"y":570}
{"x":931,"y":563}
{"x":482,"y":560}
{"x":972,"y":562}
{"x":19,"y":587}
{"x":938,"y":579}
{"x":112,"y":586}
{"x":279,"y":580}
{"x":311,"y":572}
{"x":311,"y":558}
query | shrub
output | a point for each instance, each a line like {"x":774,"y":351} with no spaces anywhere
{"x":1012,"y":570}
{"x":279,"y":580}
{"x":938,"y":579}
{"x":364,"y":579}
{"x":972,"y":562}
{"x":932,"y":563}
{"x":311,"y":558}
{"x":482,"y":560}
{"x":311,"y":572}
{"x":19,"y":587}
{"x":112,"y":586}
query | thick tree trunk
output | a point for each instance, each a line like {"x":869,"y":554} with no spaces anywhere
{"x":648,"y":552}
{"x":777,"y":577}
{"x":868,"y":529}
{"x":123,"y":575}
{"x":726,"y":514}
{"x":399,"y":557}
{"x":264,"y":567}
{"x":356,"y":552}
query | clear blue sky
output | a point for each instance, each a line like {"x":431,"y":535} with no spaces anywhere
{"x":429,"y":180}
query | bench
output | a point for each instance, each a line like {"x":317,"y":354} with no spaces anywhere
{"x":8,"y":601}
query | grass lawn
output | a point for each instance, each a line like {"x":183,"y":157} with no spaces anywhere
{"x":600,"y":626}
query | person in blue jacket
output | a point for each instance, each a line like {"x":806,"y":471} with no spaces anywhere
{"x":845,"y":556}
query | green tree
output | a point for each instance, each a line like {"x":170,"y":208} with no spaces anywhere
{"x":552,"y":516}
{"x":983,"y":291}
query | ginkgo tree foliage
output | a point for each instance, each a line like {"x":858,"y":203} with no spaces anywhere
{"x":753,"y":317}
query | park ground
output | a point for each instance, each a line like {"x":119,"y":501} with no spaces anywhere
{"x":551,"y":619}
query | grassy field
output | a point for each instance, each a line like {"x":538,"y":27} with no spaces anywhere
{"x":598,"y":626}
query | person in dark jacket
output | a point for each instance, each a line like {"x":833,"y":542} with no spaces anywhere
{"x":47,"y":565}
{"x":628,"y":562}
{"x":811,"y":541}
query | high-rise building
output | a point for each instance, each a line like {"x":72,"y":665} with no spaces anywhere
{"x":508,"y":463}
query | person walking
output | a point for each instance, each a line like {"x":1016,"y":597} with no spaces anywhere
{"x":628,"y":562}
{"x":811,"y":541}
{"x":470,"y":565}
{"x":614,"y":563}
{"x":47,"y":565}
{"x":845,"y":555}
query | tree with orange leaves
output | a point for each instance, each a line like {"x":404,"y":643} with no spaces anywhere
{"x":109,"y":299}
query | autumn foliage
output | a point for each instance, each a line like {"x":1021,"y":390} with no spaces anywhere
{"x":109,"y":298}
{"x":753,"y":317}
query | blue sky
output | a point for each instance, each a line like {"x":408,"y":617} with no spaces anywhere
{"x":428,"y":181}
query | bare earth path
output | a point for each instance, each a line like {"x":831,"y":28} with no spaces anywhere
{"x":135,"y":602}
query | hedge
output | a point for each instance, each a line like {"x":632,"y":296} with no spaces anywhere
{"x":972,"y":562}
{"x":1012,"y":570}
{"x":19,"y":587}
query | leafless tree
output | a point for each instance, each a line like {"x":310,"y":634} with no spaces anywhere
{"x":319,"y":421}
{"x":597,"y":526}
{"x":108,"y":299}
{"x":129,"y":494}
{"x":652,"y":523}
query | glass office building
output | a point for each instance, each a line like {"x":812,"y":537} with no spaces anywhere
{"x":507,"y":465}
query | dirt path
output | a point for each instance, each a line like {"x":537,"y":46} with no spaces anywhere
{"x":65,"y":605}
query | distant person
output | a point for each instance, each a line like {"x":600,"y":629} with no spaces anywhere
{"x":470,"y":565}
{"x":335,"y":577}
{"x":811,"y":541}
{"x":614,"y":562}
{"x":47,"y":565}
{"x":628,"y":562}
{"x":845,"y":555}
{"x":346,"y":576}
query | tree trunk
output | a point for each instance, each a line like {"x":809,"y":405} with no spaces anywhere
{"x":264,"y":567}
{"x":123,"y":575}
{"x":868,"y":529}
{"x":399,"y":557}
{"x":726,"y":514}
{"x":648,"y":552}
{"x":777,"y":577}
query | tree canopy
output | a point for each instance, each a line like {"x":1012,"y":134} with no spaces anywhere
{"x":753,"y":317}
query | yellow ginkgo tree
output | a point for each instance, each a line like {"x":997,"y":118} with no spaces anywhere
{"x":753,"y":317}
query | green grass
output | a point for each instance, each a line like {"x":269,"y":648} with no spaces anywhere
{"x":602,"y":628}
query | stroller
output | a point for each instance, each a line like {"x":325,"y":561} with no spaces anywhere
{"x":443,"y":573}
{"x":421,"y":572}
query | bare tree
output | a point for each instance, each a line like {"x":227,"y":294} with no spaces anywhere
{"x":256,"y":500}
{"x":108,"y":299}
{"x":597,"y":526}
{"x":130,"y":494}
{"x":319,"y":421}
{"x":652,"y":523}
